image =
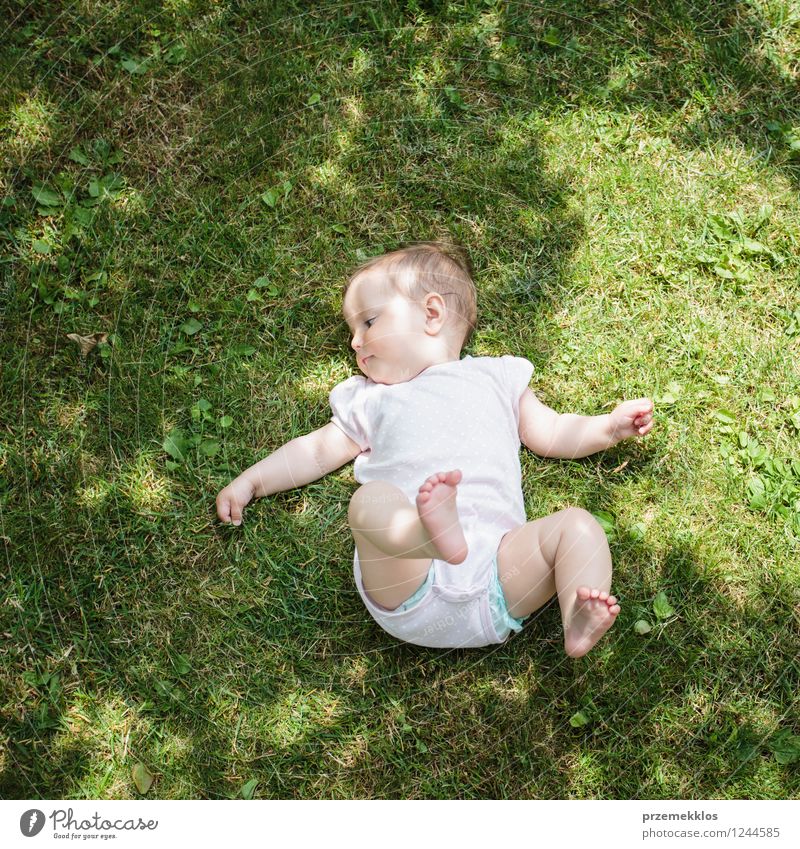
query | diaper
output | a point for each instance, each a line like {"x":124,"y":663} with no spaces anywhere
{"x":504,"y":623}
{"x":437,"y":616}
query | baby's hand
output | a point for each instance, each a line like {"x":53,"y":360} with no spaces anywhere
{"x":632,"y":418}
{"x":233,"y":499}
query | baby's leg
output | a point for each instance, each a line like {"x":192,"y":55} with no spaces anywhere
{"x":395,"y":539}
{"x":565,"y":553}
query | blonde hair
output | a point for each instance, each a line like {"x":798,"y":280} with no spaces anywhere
{"x":418,"y":268}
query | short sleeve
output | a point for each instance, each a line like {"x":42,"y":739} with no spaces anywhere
{"x":347,"y":400}
{"x":518,"y":373}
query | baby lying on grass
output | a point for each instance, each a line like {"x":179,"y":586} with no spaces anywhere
{"x":444,"y":556}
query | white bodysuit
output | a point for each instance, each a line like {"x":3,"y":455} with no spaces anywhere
{"x":458,"y":415}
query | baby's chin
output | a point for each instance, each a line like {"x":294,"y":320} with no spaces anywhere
{"x":390,"y":381}
{"x":377,"y":375}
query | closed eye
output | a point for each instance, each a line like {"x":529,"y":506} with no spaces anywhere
{"x":367,"y":322}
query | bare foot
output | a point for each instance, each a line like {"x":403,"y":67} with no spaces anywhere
{"x":436,"y":505}
{"x":594,"y":613}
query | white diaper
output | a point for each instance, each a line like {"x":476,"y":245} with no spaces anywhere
{"x":445,"y":617}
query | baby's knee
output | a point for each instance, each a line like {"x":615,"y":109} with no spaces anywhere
{"x":371,"y":493}
{"x":359,"y":499}
{"x":582,"y":521}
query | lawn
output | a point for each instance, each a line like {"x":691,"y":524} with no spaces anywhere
{"x":184,"y":188}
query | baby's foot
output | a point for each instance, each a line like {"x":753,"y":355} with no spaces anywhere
{"x":436,"y":505}
{"x":594,"y":613}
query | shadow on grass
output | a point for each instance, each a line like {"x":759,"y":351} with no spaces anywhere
{"x":225,"y":681}
{"x":722,"y":65}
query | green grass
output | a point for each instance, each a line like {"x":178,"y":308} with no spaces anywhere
{"x":605,"y":165}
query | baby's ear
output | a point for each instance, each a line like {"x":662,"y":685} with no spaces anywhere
{"x":435,"y":307}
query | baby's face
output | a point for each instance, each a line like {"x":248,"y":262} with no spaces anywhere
{"x":388,"y":330}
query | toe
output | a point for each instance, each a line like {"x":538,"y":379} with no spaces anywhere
{"x":612,"y":600}
{"x":595,"y":593}
{"x":603,"y":595}
{"x":615,"y":609}
{"x":583,"y":593}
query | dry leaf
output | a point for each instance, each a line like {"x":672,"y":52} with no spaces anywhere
{"x":87,"y":342}
{"x":142,"y":778}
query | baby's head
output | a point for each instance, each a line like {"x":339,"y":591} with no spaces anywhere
{"x":410,"y":309}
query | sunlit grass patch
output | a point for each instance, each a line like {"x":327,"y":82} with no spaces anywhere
{"x":144,"y":485}
{"x":295,"y":714}
{"x":330,"y":177}
{"x":29,"y":124}
{"x":95,"y":493}
{"x":361,"y":62}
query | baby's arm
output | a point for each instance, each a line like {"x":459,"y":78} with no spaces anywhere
{"x":300,"y":461}
{"x":568,"y":436}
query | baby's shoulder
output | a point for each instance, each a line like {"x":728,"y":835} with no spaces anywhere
{"x":355,"y":380}
{"x":494,"y":364}
{"x":349,"y":389}
{"x":508,"y":372}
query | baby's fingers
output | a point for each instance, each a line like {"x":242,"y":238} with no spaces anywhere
{"x":229,"y":510}
{"x":223,"y":508}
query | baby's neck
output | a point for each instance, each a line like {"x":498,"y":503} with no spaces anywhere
{"x":439,"y":362}
{"x":444,"y":357}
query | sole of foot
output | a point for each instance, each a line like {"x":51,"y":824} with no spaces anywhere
{"x":594,"y":613}
{"x":436,"y":505}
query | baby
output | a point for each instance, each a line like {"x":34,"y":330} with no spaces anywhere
{"x":446,"y":559}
